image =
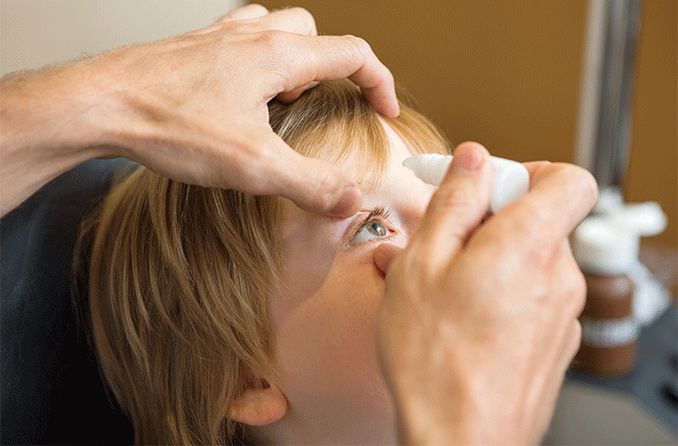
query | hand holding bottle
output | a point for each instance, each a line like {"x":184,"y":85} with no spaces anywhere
{"x":479,"y":323}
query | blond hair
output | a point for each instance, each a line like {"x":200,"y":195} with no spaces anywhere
{"x":179,"y":275}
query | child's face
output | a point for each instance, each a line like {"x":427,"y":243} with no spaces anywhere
{"x":325,"y":320}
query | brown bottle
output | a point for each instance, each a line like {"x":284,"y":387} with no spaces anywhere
{"x":609,"y":331}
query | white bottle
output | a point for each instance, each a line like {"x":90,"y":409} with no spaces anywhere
{"x":511,"y":179}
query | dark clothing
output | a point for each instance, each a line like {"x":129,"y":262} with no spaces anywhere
{"x":50,"y":387}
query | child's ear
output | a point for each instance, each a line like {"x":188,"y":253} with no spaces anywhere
{"x":258,"y":406}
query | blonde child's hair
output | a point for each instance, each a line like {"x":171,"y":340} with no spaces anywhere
{"x":179,"y":275}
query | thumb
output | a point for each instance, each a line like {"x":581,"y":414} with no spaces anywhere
{"x":313,"y":184}
{"x":458,"y":206}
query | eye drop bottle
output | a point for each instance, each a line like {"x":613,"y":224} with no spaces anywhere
{"x":511,"y":179}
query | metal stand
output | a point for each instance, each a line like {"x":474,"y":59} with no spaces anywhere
{"x":604,"y":124}
{"x":603,"y":143}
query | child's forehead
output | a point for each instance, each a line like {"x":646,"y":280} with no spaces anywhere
{"x":396,"y":151}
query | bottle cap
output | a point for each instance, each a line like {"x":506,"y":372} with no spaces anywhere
{"x":429,"y":167}
{"x":609,"y":200}
{"x":646,"y":219}
{"x":603,"y":248}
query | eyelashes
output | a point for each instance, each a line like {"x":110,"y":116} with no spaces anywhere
{"x":378,"y":212}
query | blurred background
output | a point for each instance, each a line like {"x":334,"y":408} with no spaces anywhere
{"x":505,"y":73}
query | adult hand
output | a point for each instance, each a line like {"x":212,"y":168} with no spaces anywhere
{"x":479,"y":321}
{"x":191,"y":107}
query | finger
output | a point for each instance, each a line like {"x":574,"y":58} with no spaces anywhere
{"x":291,"y":96}
{"x":248,"y":12}
{"x":314,"y":185}
{"x":333,"y":57}
{"x":458,"y":206}
{"x":533,"y":166}
{"x":384,"y":255}
{"x":560,"y":196}
{"x":293,"y":20}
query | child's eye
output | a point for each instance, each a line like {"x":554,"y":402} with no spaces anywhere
{"x":369,"y":230}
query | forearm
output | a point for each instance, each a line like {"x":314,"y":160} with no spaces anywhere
{"x":50,"y":121}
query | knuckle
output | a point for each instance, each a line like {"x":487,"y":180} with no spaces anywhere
{"x":224,"y":19}
{"x":589,"y":185}
{"x":305,"y":16}
{"x":453,"y":197}
{"x":242,"y":26}
{"x":272,"y":48}
{"x":260,"y":9}
{"x":272,"y":41}
{"x":582,"y":179}
{"x":359,"y":44}
{"x":327,"y":185}
{"x":577,"y":292}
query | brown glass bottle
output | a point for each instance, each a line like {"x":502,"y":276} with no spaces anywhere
{"x":605,"y":254}
{"x":609,"y":333}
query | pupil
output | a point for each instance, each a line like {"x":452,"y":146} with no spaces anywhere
{"x":377,"y":229}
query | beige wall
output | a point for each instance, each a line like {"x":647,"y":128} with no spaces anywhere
{"x":507,"y":74}
{"x":38,"y":32}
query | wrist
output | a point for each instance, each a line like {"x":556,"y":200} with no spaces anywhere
{"x":426,"y":423}
{"x":55,"y":113}
{"x":428,"y":415}
{"x":452,"y":411}
{"x":50,"y":121}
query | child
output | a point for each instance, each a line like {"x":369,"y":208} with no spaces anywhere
{"x":216,"y":313}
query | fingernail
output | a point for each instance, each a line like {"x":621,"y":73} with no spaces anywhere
{"x":349,"y":203}
{"x":468,"y":157}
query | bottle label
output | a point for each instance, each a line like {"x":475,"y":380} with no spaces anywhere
{"x":608,"y":332}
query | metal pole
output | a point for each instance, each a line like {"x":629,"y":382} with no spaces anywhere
{"x":604,"y":125}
